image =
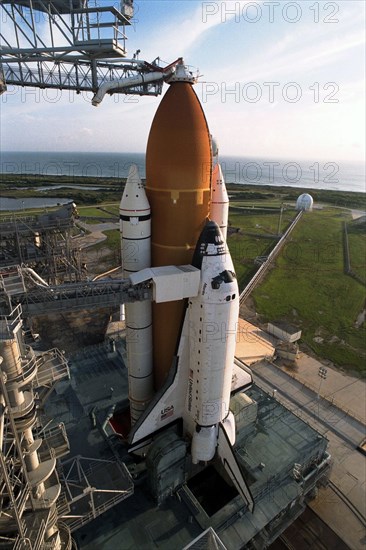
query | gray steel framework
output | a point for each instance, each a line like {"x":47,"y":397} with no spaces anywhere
{"x":93,"y":486}
{"x":69,"y":45}
{"x":29,"y":484}
{"x":44,"y":242}
{"x":74,"y":296}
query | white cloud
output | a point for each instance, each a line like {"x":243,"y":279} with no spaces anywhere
{"x":180,"y":36}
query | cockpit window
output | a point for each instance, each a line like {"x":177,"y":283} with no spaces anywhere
{"x":224,"y":277}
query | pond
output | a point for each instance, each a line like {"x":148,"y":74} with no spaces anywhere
{"x":24,"y":204}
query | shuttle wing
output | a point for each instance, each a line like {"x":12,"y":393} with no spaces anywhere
{"x":168,"y":404}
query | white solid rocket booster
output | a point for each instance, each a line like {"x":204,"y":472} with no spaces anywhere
{"x":135,"y":226}
{"x":219,"y":200}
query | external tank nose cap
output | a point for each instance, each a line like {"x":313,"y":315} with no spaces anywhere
{"x":210,"y":243}
{"x":182,"y":74}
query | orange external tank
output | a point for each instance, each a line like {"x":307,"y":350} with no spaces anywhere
{"x":178,"y":177}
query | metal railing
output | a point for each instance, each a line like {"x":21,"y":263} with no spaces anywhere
{"x":206,"y":540}
{"x":81,"y":295}
{"x":87,"y":28}
{"x":65,"y":535}
{"x":80,"y":475}
{"x":8,"y":323}
{"x":28,"y":372}
{"x":52,"y":366}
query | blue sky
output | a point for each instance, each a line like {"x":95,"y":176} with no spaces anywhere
{"x":279,"y":80}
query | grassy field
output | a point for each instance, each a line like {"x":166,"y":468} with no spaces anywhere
{"x":113,"y":241}
{"x":102,"y":211}
{"x":27,"y":186}
{"x":278,"y":195}
{"x":309,"y":288}
{"x":265,"y":222}
{"x":357,"y":249}
{"x":38,"y":180}
{"x":88,"y":211}
{"x":91,"y":211}
{"x":256,"y":237}
{"x":112,"y":208}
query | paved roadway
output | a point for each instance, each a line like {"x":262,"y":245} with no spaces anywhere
{"x":94,"y":232}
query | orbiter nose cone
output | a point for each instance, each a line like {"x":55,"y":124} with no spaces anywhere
{"x":211,"y":233}
{"x":210,"y":243}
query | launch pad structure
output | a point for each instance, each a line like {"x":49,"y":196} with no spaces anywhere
{"x":76,"y":45}
{"x":43,"y":242}
{"x":72,"y":419}
{"x":279,"y":452}
{"x":249,"y":473}
{"x":42,"y":502}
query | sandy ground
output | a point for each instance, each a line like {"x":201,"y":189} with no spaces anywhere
{"x":357,"y":214}
{"x":252,"y":343}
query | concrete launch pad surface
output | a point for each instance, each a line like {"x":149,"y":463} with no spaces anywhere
{"x":94,"y":233}
{"x":268,"y":451}
{"x":347,"y":392}
{"x":252,"y":343}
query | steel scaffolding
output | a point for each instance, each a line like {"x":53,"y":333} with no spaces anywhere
{"x":29,"y":484}
{"x":42,"y":242}
{"x":70,"y":45}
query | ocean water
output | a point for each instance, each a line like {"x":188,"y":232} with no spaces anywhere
{"x":345,"y":176}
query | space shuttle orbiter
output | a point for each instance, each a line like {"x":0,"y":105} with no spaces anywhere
{"x":199,"y":385}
